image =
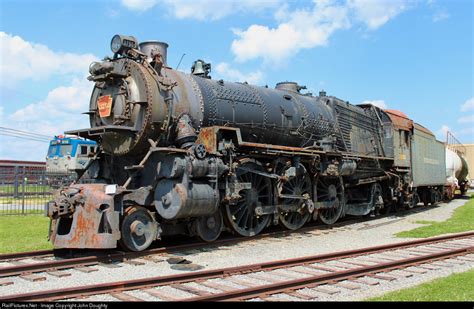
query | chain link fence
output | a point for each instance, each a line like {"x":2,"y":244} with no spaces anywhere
{"x":24,"y":190}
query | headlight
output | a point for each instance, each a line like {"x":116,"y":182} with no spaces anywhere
{"x":121,"y":43}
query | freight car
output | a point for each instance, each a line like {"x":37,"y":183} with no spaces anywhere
{"x":186,"y":154}
{"x":457,"y":169}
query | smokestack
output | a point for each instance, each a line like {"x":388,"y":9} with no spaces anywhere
{"x":151,"y":48}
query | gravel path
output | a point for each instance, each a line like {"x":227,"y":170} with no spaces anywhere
{"x":374,"y":232}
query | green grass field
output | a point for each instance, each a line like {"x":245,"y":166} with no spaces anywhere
{"x":28,"y":200}
{"x":457,"y":287}
{"x":462,"y":220}
{"x":27,"y":188}
{"x":23,"y":233}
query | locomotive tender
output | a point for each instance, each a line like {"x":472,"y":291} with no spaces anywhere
{"x":186,"y":154}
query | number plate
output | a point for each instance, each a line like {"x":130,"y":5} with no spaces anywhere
{"x":104,"y":103}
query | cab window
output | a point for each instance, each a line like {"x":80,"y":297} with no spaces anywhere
{"x":65,"y":150}
{"x":52,"y":151}
{"x":83,"y":151}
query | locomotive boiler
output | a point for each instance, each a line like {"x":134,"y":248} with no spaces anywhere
{"x":185,"y":154}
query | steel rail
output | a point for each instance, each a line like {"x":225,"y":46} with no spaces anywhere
{"x":281,"y":287}
{"x":209,"y":274}
{"x":26,"y":254}
{"x":104,"y":257}
{"x":314,"y":226}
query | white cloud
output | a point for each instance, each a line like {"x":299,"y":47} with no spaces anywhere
{"x":469,"y":131}
{"x":467,"y":119}
{"x":139,"y":5}
{"x":378,"y":103}
{"x":26,"y":62}
{"x":440,"y":12}
{"x":376,"y":13}
{"x":60,"y":104}
{"x":22,"y":60}
{"x":441,"y":132}
{"x":300,"y":29}
{"x":203,"y":9}
{"x":216,"y":9}
{"x":468,"y":105}
{"x":440,"y":15}
{"x":306,"y":28}
{"x":58,"y":112}
{"x":225,"y":71}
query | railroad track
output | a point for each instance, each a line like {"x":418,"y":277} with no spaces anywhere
{"x":45,"y":263}
{"x":291,"y":278}
{"x":45,"y":259}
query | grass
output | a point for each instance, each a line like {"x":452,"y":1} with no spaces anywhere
{"x":34,"y":188}
{"x":17,"y":212}
{"x":457,"y":287}
{"x":462,"y":220}
{"x":23,"y":233}
{"x":28,"y":199}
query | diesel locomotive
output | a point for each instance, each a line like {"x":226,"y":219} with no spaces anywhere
{"x":186,"y":154}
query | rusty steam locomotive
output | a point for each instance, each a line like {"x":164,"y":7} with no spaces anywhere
{"x":186,"y":154}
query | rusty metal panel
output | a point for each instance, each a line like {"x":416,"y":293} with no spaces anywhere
{"x":429,"y":158}
{"x":399,"y":119}
{"x":87,"y":221}
{"x":402,"y":131}
{"x":401,"y":146}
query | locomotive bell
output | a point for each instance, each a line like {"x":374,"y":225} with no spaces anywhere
{"x":201,"y":68}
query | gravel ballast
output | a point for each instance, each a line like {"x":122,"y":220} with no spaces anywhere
{"x":360,"y":235}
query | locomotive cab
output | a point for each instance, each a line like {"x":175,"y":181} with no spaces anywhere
{"x":69,"y":154}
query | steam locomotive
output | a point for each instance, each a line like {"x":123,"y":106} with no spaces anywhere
{"x":185,"y":154}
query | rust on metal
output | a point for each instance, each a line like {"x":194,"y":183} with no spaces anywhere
{"x":84,"y":230}
{"x":207,"y":137}
{"x":4,"y":282}
{"x":399,"y":119}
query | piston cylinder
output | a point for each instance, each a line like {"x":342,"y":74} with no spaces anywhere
{"x":175,"y":200}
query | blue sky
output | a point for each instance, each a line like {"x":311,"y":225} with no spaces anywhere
{"x":412,"y":55}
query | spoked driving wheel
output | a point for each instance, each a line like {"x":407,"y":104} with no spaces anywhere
{"x":295,"y":210}
{"x":139,"y":229}
{"x":241,"y":215}
{"x":330,"y":192}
